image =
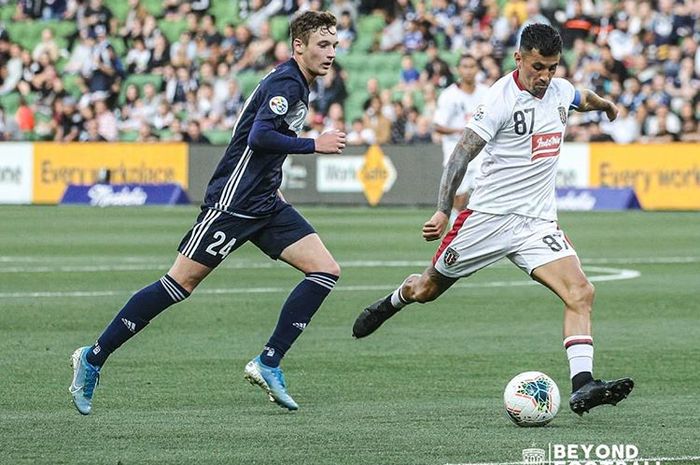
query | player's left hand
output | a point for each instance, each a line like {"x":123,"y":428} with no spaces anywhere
{"x":435,"y":226}
{"x":611,"y":111}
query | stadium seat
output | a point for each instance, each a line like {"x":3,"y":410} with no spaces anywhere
{"x":248,"y":80}
{"x":128,"y":136}
{"x":218,"y":136}
{"x":172,"y":29}
{"x":119,"y":8}
{"x":279,"y":28}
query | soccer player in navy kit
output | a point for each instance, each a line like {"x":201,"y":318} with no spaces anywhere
{"x":242,"y":203}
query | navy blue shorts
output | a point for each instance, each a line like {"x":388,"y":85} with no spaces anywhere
{"x":216,"y":234}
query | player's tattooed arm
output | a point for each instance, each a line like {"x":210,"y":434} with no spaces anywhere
{"x":468,"y":147}
{"x":590,"y":101}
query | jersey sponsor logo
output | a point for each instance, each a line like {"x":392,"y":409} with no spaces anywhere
{"x":562,"y":115}
{"x":450,"y":257}
{"x":546,"y":145}
{"x":479,"y":113}
{"x":279,"y":105}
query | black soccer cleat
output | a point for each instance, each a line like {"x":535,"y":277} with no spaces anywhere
{"x":597,"y":392}
{"x":372,"y":317}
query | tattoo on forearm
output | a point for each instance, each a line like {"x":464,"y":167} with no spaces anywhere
{"x":592,"y":101}
{"x":468,"y":147}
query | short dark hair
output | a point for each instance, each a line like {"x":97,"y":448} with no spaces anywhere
{"x":541,"y":37}
{"x":467,"y":56}
{"x":309,"y":22}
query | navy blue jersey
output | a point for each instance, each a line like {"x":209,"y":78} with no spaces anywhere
{"x":245,"y":182}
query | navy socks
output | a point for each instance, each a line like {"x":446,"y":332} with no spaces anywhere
{"x":296,"y":313}
{"x":143,"y":306}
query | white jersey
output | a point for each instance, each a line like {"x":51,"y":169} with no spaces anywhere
{"x":524,"y":136}
{"x":454,"y":110}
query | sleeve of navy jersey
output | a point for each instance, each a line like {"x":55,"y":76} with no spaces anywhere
{"x":279,"y":95}
{"x":281,"y":101}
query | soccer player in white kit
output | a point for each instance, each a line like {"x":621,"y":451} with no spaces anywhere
{"x":455,"y":107}
{"x":512,"y":212}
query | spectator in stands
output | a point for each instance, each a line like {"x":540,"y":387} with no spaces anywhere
{"x":346,"y":32}
{"x":175,"y":132}
{"x":106,"y":121}
{"x":359,"y":134}
{"x":97,"y":16}
{"x":176,"y":88}
{"x":106,"y":72}
{"x":46,"y":45}
{"x":150,"y":100}
{"x":663,"y":125}
{"x":409,"y":75}
{"x":625,"y":129}
{"x":327,"y":90}
{"x":8,"y":127}
{"x":160,"y":55}
{"x":70,"y":122}
{"x":577,"y":26}
{"x":164,"y":117}
{"x":398,"y":125}
{"x":335,"y":118}
{"x":91,"y":132}
{"x":258,"y":54}
{"x":54,"y":9}
{"x":138,"y":58}
{"x":413,"y":38}
{"x":422,"y":133}
{"x":209,"y":31}
{"x":24,"y":118}
{"x":243,"y":39}
{"x":232,"y":105}
{"x":11,"y":73}
{"x":260,"y":12}
{"x":205,"y":110}
{"x":146,"y":133}
{"x":391,"y":38}
{"x":27,"y":10}
{"x":690,"y":129}
{"x":184,"y":50}
{"x":375,"y":120}
{"x":436,"y":70}
{"x":194,"y":134}
{"x":80,"y":61}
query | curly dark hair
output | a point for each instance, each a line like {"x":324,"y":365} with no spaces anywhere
{"x":309,"y":22}
{"x":541,"y":37}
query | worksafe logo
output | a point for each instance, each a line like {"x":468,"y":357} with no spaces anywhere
{"x":377,"y":174}
{"x":586,"y":454}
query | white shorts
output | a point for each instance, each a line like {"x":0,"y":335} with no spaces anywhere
{"x":479,"y":239}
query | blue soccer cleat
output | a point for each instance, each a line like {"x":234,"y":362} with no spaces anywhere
{"x":85,"y":378}
{"x":271,"y":380}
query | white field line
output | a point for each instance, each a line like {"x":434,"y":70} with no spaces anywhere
{"x":640,"y":461}
{"x":154,"y":264}
{"x":613,"y":274}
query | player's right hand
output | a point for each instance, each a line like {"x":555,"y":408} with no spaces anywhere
{"x":332,"y":141}
{"x":435,"y":226}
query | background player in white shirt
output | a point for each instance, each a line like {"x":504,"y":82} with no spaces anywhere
{"x":512,"y":212}
{"x":455,"y":108}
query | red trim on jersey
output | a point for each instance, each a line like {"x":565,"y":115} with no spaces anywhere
{"x":545,"y":155}
{"x":461,"y":218}
{"x":574,"y":342}
{"x":516,"y":74}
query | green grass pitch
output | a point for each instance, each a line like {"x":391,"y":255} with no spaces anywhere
{"x":424,"y":390}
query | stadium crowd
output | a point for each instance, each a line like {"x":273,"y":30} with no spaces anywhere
{"x":642,"y":54}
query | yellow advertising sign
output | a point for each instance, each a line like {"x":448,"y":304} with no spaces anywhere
{"x":58,"y":165}
{"x":377,"y":174}
{"x":664,"y":176}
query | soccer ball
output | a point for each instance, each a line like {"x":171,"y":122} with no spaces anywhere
{"x":531,"y":399}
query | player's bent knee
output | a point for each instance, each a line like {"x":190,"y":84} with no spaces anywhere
{"x":331,"y":267}
{"x":581,"y":295}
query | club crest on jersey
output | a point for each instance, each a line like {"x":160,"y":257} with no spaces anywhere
{"x":279,"y":105}
{"x":562,"y":115}
{"x":479,"y":113}
{"x":450,"y":257}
